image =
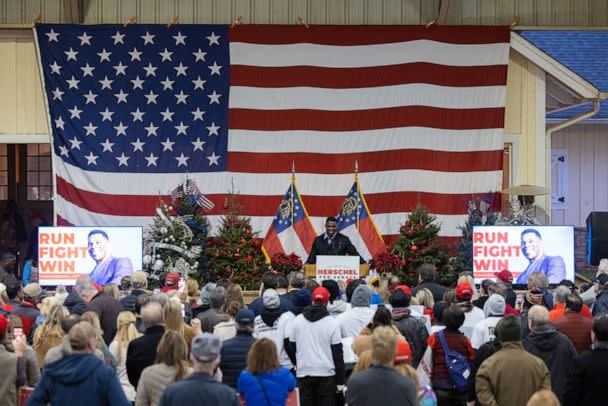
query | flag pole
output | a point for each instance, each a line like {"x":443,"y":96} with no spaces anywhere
{"x":357,"y":205}
{"x":293,"y":180}
{"x":357,"y":192}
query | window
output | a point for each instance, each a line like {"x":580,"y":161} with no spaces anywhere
{"x":39,"y":185}
{"x":3,"y":172}
{"x":559,"y":179}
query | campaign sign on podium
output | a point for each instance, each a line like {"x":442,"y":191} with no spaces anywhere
{"x":337,"y":267}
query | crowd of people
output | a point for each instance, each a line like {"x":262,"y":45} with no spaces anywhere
{"x":328,"y":343}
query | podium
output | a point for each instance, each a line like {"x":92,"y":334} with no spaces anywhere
{"x":310,"y":270}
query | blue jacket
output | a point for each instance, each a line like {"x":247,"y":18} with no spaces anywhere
{"x":277,"y":384}
{"x":78,"y":379}
{"x":234,"y":357}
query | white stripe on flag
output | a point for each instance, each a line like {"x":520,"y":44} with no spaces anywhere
{"x":291,"y":243}
{"x":384,"y":139}
{"x":416,"y":94}
{"x":353,"y":56}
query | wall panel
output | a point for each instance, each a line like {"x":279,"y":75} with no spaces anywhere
{"x":587,"y":147}
{"x":531,"y":12}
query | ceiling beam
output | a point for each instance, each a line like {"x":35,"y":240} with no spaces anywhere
{"x":73,"y":11}
{"x":444,"y":10}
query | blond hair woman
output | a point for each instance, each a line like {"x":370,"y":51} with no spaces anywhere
{"x":49,"y":333}
{"x":171,"y":366}
{"x":93,"y":318}
{"x":174,"y":320}
{"x":125,"y":323}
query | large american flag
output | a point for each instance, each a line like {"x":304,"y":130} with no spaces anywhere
{"x":135,"y":110}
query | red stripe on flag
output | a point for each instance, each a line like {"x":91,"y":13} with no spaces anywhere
{"x":344,"y":78}
{"x":322,"y":206}
{"x":372,"y":161}
{"x":368,"y":34}
{"x":371,"y":238}
{"x":373,"y":119}
{"x":271,"y":243}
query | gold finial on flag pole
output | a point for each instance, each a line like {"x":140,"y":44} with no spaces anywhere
{"x":301,"y":21}
{"x":129,"y":21}
{"x":37,"y":20}
{"x":238,"y":21}
{"x":175,"y":20}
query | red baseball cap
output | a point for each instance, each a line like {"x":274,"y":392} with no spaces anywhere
{"x":320,"y":296}
{"x":404,"y":289}
{"x":504,"y":276}
{"x":172,"y":278}
{"x":3,"y":324}
{"x":404,"y":353}
{"x":464,"y":291}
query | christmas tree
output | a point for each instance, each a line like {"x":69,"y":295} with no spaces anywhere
{"x":176,"y":239}
{"x":480,"y":214}
{"x":418,"y":244}
{"x":235,"y":254}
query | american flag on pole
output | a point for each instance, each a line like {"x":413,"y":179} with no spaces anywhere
{"x":132,"y":109}
{"x":291,"y":229}
{"x":356,"y":222}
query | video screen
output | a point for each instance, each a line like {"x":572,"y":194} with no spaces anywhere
{"x":106,"y":253}
{"x":523,"y":250}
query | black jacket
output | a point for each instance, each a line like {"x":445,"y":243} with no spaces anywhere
{"x":340,"y":245}
{"x":142,"y":352}
{"x":556,"y":350}
{"x":587,"y":377}
{"x":414,"y":330}
{"x":436,"y":289}
{"x":128,"y":302}
{"x":107,"y":308}
{"x":381,"y":385}
{"x":198,"y":389}
{"x":234,"y":357}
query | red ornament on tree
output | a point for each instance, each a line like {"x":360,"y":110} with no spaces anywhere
{"x":414,"y":248}
{"x":423,"y":251}
{"x":403,"y":229}
{"x":249,"y":258}
{"x":423,"y":242}
{"x":410,"y":233}
{"x":237,"y":255}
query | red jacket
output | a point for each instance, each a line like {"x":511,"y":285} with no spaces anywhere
{"x":560,"y":308}
{"x":456,"y":341}
{"x":577,"y":327}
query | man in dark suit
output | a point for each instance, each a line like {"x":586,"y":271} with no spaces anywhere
{"x":331,"y":243}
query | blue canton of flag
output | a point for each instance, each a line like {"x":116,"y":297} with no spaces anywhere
{"x":348,"y":211}
{"x":282,"y":219}
{"x":140,"y":99}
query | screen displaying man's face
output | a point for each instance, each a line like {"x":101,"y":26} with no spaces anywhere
{"x":531,"y":246}
{"x":330,"y":228}
{"x":98,"y":247}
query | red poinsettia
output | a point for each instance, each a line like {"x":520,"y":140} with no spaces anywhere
{"x":286,"y":263}
{"x":387,"y":263}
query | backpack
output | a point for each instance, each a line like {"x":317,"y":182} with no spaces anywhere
{"x":457,"y":364}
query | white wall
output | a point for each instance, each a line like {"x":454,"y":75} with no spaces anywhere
{"x":587,"y":146}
